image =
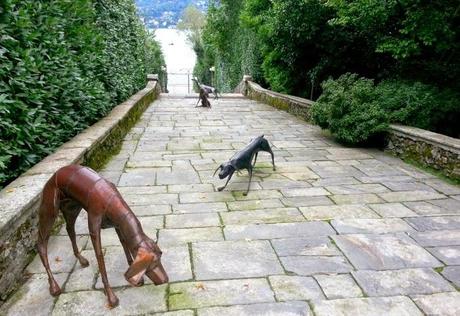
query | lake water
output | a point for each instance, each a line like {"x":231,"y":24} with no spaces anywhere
{"x":180,"y":59}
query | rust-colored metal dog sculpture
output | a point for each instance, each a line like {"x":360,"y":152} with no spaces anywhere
{"x":75,"y":187}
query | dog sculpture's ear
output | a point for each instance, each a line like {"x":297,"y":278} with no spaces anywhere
{"x":220,"y":167}
{"x":137,"y":269}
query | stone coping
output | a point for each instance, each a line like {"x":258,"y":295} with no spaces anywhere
{"x":431,"y":149}
{"x":290,"y":98}
{"x":19,"y":201}
{"x":418,"y":134}
{"x":25,"y":190}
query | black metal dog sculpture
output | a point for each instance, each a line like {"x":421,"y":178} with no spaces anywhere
{"x":243,"y":160}
{"x":206,"y":88}
{"x":203,"y":97}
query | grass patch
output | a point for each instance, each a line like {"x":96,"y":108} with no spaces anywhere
{"x":432,"y":171}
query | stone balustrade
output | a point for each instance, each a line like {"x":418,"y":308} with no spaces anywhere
{"x":430,"y":149}
{"x":19,"y":201}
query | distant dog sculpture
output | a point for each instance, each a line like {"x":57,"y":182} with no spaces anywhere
{"x":203,"y":97}
{"x":75,"y":187}
{"x":243,"y":160}
{"x":206,"y":88}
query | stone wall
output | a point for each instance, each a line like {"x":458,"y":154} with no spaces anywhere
{"x":294,"y":105}
{"x":19,"y":201}
{"x":430,"y":149}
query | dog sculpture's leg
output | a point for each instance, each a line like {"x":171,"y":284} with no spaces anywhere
{"x":94,"y":224}
{"x":70,"y":210}
{"x":255,"y":159}
{"x":49,"y":209}
{"x":228,"y":180}
{"x":250,"y":178}
{"x":273,"y":158}
{"x":128,"y":255}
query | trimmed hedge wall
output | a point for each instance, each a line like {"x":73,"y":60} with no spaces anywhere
{"x":63,"y":65}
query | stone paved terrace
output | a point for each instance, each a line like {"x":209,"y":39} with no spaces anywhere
{"x":333,"y":231}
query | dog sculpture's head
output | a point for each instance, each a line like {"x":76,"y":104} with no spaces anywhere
{"x":148,"y":262}
{"x":225,"y":170}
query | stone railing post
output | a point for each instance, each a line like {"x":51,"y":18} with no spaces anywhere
{"x":246,"y":79}
{"x":155,"y":78}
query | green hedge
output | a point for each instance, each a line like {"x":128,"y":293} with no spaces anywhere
{"x":63,"y":65}
{"x":356,"y":110}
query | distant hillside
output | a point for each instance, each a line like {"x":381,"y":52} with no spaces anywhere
{"x":165,"y":13}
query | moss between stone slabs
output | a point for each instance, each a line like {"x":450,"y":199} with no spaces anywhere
{"x":95,"y":159}
{"x":111,"y":146}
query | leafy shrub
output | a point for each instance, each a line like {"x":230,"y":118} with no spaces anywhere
{"x":349,"y":108}
{"x":420,"y":105}
{"x":63,"y":65}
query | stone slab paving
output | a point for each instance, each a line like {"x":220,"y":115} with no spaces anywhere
{"x":333,"y":231}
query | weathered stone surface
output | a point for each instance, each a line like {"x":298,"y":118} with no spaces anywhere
{"x":135,"y":299}
{"x":443,"y":187}
{"x":79,"y":303}
{"x":384,"y":252}
{"x":281,"y":215}
{"x":306,"y":201}
{"x":283,"y":230}
{"x":447,"y":304}
{"x":337,"y":212}
{"x":401,"y":282}
{"x":392,"y":210}
{"x":173,"y":237}
{"x":426,"y":209}
{"x":309,"y":265}
{"x":204,"y":197}
{"x":138,"y":177}
{"x":452,"y":273}
{"x":116,"y":266}
{"x":200,"y":208}
{"x":370,"y":226}
{"x":437,"y":238}
{"x":357,"y":189}
{"x":151,"y":210}
{"x":179,"y":188}
{"x":408,"y":196}
{"x":291,"y":288}
{"x":177,"y":176}
{"x":34,"y":292}
{"x":389,"y":306}
{"x":254,"y":205}
{"x":60,"y":255}
{"x":82,"y":279}
{"x":317,"y":191}
{"x":450,"y":255}
{"x":310,"y":246}
{"x":356,"y":198}
{"x":339,"y":286}
{"x":272,"y":309}
{"x":150,"y":224}
{"x":216,"y":293}
{"x":192,"y":220}
{"x":407,"y":186}
{"x":435,"y":223}
{"x":451,"y":205}
{"x":234,"y":259}
{"x":151,"y":199}
{"x":176,"y":261}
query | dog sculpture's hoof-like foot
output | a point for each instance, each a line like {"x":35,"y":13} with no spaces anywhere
{"x":220,"y":189}
{"x":55,"y":290}
{"x":83,"y":261}
{"x":140,"y":283}
{"x":245,"y":193}
{"x":113,"y":300}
